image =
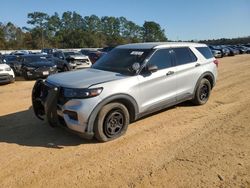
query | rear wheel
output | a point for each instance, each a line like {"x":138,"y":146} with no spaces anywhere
{"x":112,"y":122}
{"x":202,"y":92}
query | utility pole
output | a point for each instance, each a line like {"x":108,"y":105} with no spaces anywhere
{"x":42,"y":37}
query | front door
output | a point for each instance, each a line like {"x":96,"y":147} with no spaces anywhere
{"x":158,"y":88}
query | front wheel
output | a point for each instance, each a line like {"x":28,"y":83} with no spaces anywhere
{"x":112,"y":122}
{"x":202,"y":92}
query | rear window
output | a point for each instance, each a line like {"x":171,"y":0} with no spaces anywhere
{"x":184,"y":56}
{"x":206,"y":52}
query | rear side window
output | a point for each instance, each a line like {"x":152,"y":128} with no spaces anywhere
{"x":206,"y":52}
{"x":184,"y":55}
{"x":161,"y":58}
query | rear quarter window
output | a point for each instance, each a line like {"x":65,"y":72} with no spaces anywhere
{"x":205,"y":51}
{"x":184,"y":55}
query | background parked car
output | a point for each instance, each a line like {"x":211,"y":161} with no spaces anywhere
{"x":233,"y":51}
{"x":241,"y":49}
{"x":222,"y":50}
{"x":20,"y":52}
{"x":217,"y":53}
{"x":36,"y":66}
{"x":93,"y":55}
{"x":6,"y":74}
{"x":48,"y":50}
{"x":13,"y":62}
{"x":70,"y":60}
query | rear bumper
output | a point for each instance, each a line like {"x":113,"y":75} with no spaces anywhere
{"x":6,"y":78}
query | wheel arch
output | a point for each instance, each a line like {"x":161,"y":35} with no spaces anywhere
{"x":128,"y":101}
{"x":209,"y":76}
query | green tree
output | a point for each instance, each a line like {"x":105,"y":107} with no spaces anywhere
{"x":2,"y":36}
{"x":152,"y":32}
{"x":40,"y":22}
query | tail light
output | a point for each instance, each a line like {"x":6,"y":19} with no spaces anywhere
{"x":216,"y":62}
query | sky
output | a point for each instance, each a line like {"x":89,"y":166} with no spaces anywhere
{"x":181,"y":19}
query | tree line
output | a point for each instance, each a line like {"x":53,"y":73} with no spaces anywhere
{"x":225,"y":41}
{"x":71,"y":30}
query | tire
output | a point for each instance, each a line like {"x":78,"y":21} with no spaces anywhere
{"x":202,"y":92}
{"x":111,"y":122}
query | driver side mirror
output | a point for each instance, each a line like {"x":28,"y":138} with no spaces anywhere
{"x":152,"y":68}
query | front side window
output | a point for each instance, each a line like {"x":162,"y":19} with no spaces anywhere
{"x":184,"y":55}
{"x":121,"y":60}
{"x":161,"y":58}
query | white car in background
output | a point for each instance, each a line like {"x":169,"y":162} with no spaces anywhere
{"x":6,"y":74}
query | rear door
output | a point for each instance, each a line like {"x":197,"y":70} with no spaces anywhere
{"x":158,"y":88}
{"x":188,"y":71}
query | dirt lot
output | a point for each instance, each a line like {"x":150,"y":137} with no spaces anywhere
{"x":184,"y":146}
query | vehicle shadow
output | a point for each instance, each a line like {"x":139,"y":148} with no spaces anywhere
{"x":23,"y":128}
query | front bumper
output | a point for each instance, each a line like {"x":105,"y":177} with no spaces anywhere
{"x":48,"y":104}
{"x":80,"y":65}
{"x":6,"y":78}
{"x":40,"y":73}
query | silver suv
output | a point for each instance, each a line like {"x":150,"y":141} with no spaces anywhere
{"x":129,"y":82}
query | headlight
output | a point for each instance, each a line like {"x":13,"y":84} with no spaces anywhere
{"x":8,"y":69}
{"x":81,"y":93}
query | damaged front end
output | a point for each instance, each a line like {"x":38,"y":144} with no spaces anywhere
{"x":44,"y":101}
{"x":50,"y":105}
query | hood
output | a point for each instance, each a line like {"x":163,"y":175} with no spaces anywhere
{"x":40,"y":64}
{"x":4,"y":66}
{"x":83,"y":78}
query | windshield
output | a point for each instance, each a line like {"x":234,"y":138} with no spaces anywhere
{"x":33,"y":59}
{"x":10,"y":58}
{"x":121,"y":60}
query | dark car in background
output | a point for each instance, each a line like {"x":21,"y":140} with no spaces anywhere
{"x":93,"y":55}
{"x":48,"y":50}
{"x":224,"y":51}
{"x":70,"y":60}
{"x":233,"y":51}
{"x":13,"y":62}
{"x":36,"y":66}
{"x":242,"y":49}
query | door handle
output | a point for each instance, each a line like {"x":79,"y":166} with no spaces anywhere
{"x":197,"y":64}
{"x":170,"y":73}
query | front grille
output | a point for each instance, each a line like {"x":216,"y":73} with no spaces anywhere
{"x":61,"y":100}
{"x":81,"y":61}
{"x":42,"y":69}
